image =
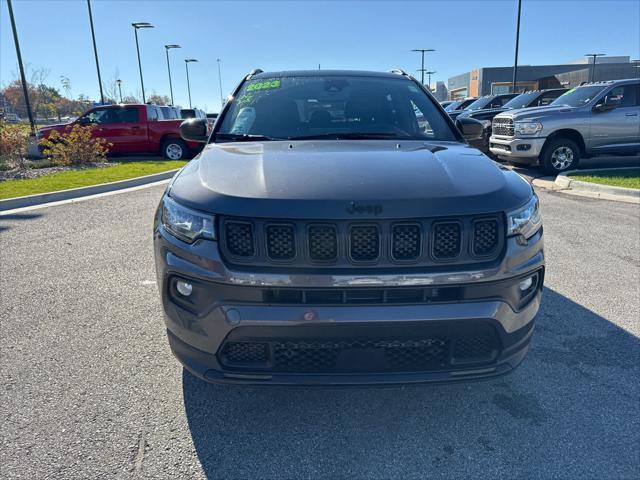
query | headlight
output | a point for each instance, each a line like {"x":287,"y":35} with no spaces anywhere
{"x":527,"y":128}
{"x":186,"y":224}
{"x":526,"y":220}
{"x":485,"y":123}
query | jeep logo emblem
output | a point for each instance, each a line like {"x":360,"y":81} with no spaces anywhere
{"x":355,"y":208}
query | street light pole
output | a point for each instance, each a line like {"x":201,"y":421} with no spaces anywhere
{"x":95,"y":50}
{"x":515,"y":63}
{"x":187,"y":61}
{"x":119,"y":82}
{"x":422,"y":52}
{"x":167,"y":48}
{"x":432,"y":72}
{"x":25,"y":90}
{"x":592,"y":76}
{"x":136,"y":26}
{"x":220,"y":81}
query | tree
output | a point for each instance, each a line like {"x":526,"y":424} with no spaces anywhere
{"x":158,"y":99}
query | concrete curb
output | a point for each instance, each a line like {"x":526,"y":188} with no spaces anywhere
{"x":596,"y":190}
{"x":31,"y":200}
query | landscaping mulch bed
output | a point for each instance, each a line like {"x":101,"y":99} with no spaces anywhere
{"x":34,"y":171}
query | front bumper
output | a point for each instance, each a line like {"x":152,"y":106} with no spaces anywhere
{"x":521,"y":150}
{"x":236,"y":306}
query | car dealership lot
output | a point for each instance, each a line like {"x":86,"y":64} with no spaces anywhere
{"x":90,"y":389}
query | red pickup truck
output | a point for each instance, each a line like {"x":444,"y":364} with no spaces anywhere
{"x":133,"y":128}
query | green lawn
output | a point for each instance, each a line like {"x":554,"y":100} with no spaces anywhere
{"x":83,"y":178}
{"x":617,"y":178}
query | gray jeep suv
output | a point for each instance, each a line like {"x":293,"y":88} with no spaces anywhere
{"x":598,"y":118}
{"x":337,"y":229}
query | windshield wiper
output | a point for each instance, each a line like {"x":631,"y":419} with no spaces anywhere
{"x":243,"y":137}
{"x":350,"y":136}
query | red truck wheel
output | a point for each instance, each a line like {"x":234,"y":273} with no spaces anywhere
{"x":174,"y":149}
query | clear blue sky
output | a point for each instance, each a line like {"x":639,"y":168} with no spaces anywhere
{"x":374,"y":35}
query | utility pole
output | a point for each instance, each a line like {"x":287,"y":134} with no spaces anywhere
{"x":25,"y":90}
{"x":592,"y":76}
{"x":422,"y":52}
{"x":167,"y":48}
{"x":220,"y":82}
{"x":515,"y":63}
{"x":136,"y":26}
{"x":95,"y":50}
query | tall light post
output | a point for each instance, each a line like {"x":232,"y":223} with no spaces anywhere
{"x":515,"y":62}
{"x":119,"y":82}
{"x":592,"y":77}
{"x":220,"y":81}
{"x":95,"y":50}
{"x":166,"y":49}
{"x":187,"y":61}
{"x":423,"y":51}
{"x":25,"y":90}
{"x":136,"y":26}
{"x":432,"y":72}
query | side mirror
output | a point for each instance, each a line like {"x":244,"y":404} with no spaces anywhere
{"x":604,"y":107}
{"x":471,"y":128}
{"x":84,"y":121}
{"x":195,"y":130}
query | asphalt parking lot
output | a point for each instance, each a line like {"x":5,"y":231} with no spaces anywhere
{"x":89,"y":388}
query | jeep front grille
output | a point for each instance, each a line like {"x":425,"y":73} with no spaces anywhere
{"x":485,"y":237}
{"x":502,"y":126}
{"x":446,"y":240}
{"x":345,"y":244}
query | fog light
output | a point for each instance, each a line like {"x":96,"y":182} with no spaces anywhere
{"x":525,"y":284}
{"x":184,"y":288}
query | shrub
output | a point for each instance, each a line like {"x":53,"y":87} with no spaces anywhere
{"x":13,"y":145}
{"x":76,"y":147}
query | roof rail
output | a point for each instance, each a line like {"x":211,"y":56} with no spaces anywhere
{"x":399,"y":71}
{"x":255,"y":71}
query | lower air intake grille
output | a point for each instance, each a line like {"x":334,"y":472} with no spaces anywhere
{"x":240,"y":239}
{"x":239,"y":353}
{"x":485,"y":237}
{"x":446,"y":240}
{"x":281,"y":243}
{"x":364,"y":243}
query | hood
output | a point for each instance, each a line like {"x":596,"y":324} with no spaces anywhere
{"x":57,"y":126}
{"x":536,"y":113}
{"x":489,"y":113}
{"x":347,"y":179}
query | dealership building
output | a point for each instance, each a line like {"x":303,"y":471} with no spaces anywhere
{"x":494,"y":80}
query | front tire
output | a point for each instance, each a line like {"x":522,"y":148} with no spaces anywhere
{"x":560,"y":155}
{"x":174,"y":149}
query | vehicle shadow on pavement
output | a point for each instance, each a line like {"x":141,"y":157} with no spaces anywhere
{"x":569,"y":411}
{"x":16,"y":216}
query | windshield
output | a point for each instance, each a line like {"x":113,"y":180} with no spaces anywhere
{"x":479,"y":103}
{"x":333,"y":107}
{"x":577,"y":97}
{"x":521,"y":101}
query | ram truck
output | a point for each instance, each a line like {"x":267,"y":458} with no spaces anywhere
{"x":592,"y":119}
{"x":131,"y":129}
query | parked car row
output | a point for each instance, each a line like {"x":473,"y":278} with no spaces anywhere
{"x":596,"y":118}
{"x":556,"y":127}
